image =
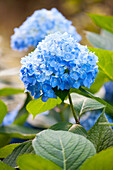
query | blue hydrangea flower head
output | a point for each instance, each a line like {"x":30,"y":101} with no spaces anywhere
{"x":58,"y":62}
{"x":42,"y":23}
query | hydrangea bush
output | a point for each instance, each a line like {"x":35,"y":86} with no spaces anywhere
{"x":42,"y":23}
{"x":58,"y":62}
{"x":58,"y":67}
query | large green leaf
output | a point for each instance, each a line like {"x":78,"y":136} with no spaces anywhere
{"x":35,"y":162}
{"x":4,"y":166}
{"x":105,"y":22}
{"x":100,"y":41}
{"x":25,"y":147}
{"x":3,"y":110}
{"x":66,"y":126}
{"x":6,"y":150}
{"x":105,"y":64}
{"x":83,"y":104}
{"x":82,"y":91}
{"x":101,"y":161}
{"x":66,"y":149}
{"x":37,"y":106}
{"x":16,"y":131}
{"x":101,"y":136}
{"x":7,"y":91}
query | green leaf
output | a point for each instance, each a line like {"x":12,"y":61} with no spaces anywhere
{"x":61,"y":93}
{"x":78,"y":129}
{"x":101,"y":161}
{"x":100,"y":41}
{"x":16,"y":131}
{"x":4,"y":166}
{"x":66,"y":126}
{"x":105,"y":64}
{"x":35,"y":162}
{"x":21,"y":119}
{"x":99,"y":81}
{"x":66,"y":149}
{"x":23,"y":114}
{"x":83,"y":104}
{"x":82,"y":91}
{"x":6,"y":150}
{"x":25,"y":147}
{"x":101,"y":136}
{"x":4,"y":139}
{"x":37,"y":106}
{"x":7,"y":91}
{"x":3,"y":110}
{"x":105,"y":22}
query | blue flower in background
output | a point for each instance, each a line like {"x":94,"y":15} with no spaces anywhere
{"x":10,"y":117}
{"x":58,"y":62}
{"x":39,"y":25}
{"x":90,"y":118}
{"x":109,"y":91}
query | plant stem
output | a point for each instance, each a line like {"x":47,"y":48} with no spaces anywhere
{"x":61,"y":113}
{"x":62,"y":116}
{"x":73,"y":110}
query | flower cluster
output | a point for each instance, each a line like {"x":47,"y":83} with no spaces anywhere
{"x":42,"y":23}
{"x":58,"y":62}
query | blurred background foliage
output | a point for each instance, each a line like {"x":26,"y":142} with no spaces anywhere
{"x":13,"y":13}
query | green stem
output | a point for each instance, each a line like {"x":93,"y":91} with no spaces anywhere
{"x":61,"y":113}
{"x":73,"y":110}
{"x":62,"y":116}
